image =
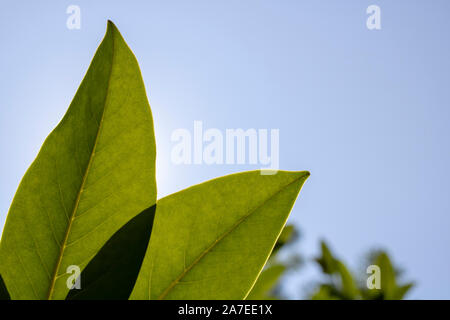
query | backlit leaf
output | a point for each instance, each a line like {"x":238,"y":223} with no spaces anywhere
{"x":212,"y":240}
{"x":94,"y":173}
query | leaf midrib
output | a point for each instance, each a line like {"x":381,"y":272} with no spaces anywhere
{"x":80,"y":191}
{"x":226,"y":233}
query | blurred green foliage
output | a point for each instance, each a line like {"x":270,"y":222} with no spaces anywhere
{"x":337,"y":281}
{"x":340,"y":283}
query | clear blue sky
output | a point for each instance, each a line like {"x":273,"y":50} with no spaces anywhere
{"x":367,"y":112}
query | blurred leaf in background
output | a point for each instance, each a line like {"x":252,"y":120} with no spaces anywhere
{"x":391,"y":289}
{"x":340,"y":283}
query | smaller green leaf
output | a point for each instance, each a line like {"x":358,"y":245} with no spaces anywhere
{"x":211,"y":241}
{"x":4,"y":294}
{"x":112,"y":273}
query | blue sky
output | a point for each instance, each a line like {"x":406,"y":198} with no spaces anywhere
{"x":367,"y":112}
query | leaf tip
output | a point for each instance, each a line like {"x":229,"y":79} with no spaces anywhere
{"x":110,"y":26}
{"x":303,"y":175}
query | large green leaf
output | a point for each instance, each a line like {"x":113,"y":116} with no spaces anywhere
{"x":212,"y":240}
{"x":94,"y":173}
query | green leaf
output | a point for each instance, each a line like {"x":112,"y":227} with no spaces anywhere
{"x":327,"y":291}
{"x":388,"y":276}
{"x":390,"y":288}
{"x":403,"y":290}
{"x":350,"y":290}
{"x":212,"y":240}
{"x":345,"y":288}
{"x":266,"y":283}
{"x":94,"y":173}
{"x":112,"y":273}
{"x":327,"y":261}
{"x":4,"y":294}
